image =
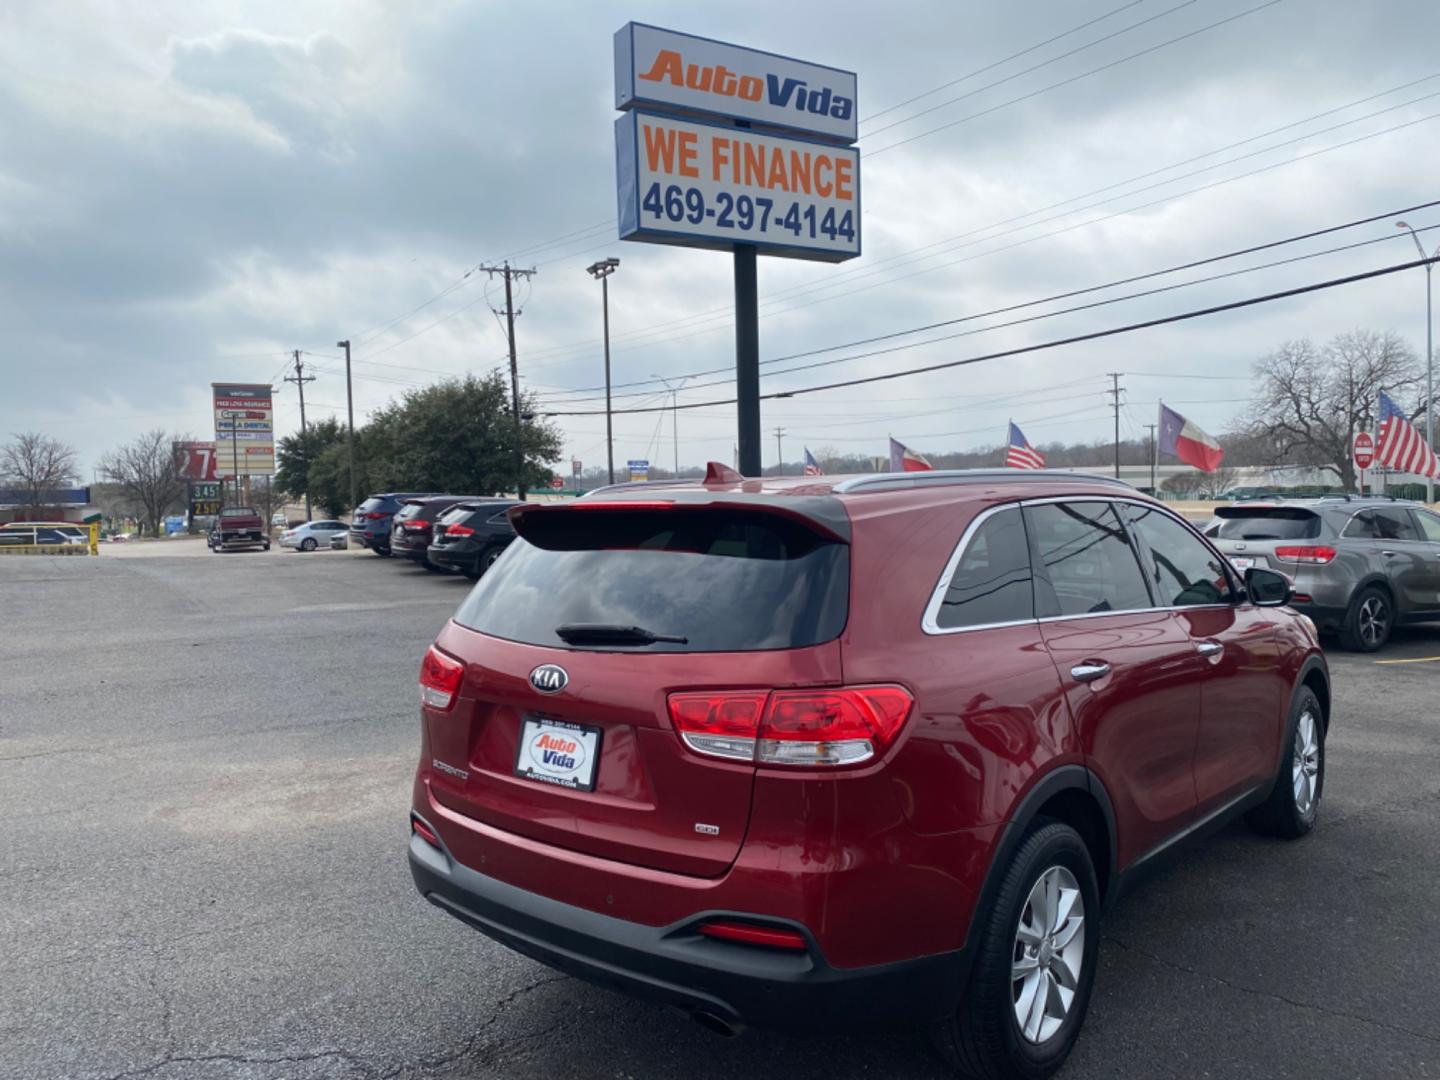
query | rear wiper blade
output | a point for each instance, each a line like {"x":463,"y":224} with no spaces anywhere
{"x":614,"y":633}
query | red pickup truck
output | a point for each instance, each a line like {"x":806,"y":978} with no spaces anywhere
{"x":238,"y":527}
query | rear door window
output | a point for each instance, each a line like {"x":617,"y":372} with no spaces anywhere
{"x":1381,"y":523}
{"x":1183,"y":571}
{"x":1088,"y":563}
{"x":724,"y":580}
{"x":991,"y":582}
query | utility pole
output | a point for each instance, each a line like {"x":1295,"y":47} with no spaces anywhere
{"x":509,"y":274}
{"x":780,"y":450}
{"x":747,"y":359}
{"x":1154,"y":455}
{"x":601,"y":272}
{"x":1429,"y":353}
{"x":1115,"y":382}
{"x":350,"y":423}
{"x":300,"y":379}
{"x":674,"y":413}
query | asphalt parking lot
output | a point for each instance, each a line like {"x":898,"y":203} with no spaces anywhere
{"x":204,"y":776}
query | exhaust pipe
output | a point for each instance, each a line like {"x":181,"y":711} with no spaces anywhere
{"x":717,"y":1024}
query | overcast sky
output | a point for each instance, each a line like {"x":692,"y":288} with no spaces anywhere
{"x":189,"y":190}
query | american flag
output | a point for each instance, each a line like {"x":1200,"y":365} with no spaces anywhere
{"x":812,"y":467}
{"x":1401,"y":446}
{"x":1020,"y":454}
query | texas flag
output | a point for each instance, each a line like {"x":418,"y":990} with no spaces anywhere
{"x":1182,"y":439}
{"x":903,"y":459}
{"x":812,"y":467}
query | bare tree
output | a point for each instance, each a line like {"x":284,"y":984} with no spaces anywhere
{"x":147,"y":470}
{"x":1311,"y":401}
{"x":37,"y":465}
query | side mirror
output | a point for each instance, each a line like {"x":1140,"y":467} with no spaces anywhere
{"x":1268,"y":588}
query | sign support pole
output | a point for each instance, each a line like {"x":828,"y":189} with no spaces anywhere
{"x":747,"y":358}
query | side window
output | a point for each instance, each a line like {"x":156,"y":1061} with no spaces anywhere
{"x":1362,"y":527}
{"x":1393,"y":523}
{"x":1183,"y":571}
{"x":992,"y":581}
{"x":1429,"y":525}
{"x":1087,"y":558}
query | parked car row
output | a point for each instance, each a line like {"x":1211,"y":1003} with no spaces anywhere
{"x":443,"y":533}
{"x":43,"y":534}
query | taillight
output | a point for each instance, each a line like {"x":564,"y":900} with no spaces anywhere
{"x":420,"y":829}
{"x":459,"y":530}
{"x":1316,"y":554}
{"x":371,"y":515}
{"x":841,"y":726}
{"x":440,"y":678}
{"x":414,"y":525}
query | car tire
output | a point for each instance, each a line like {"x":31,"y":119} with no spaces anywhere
{"x":308,"y":544}
{"x":384,"y":553}
{"x":1290,"y":809}
{"x":1368,"y":620}
{"x":487,"y":558}
{"x":987,"y":1039}
{"x":431,"y":566}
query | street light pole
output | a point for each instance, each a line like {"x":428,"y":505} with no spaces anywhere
{"x":1429,"y":354}
{"x":601,"y":271}
{"x":674,"y":414}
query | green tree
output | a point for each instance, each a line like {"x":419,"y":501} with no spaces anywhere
{"x":457,"y":436}
{"x":294,"y":455}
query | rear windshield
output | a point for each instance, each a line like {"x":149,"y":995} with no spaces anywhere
{"x":370,"y":504}
{"x":1265,"y":523}
{"x":731,"y":581}
{"x":408,"y":511}
{"x":238,"y":511}
{"x":455,"y":514}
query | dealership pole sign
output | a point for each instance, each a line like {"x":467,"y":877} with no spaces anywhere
{"x":244,"y":429}
{"x":738,"y":150}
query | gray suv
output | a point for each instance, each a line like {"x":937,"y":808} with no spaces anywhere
{"x":1360,"y":565}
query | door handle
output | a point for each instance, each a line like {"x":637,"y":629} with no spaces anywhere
{"x":1390,"y":554}
{"x":1210,"y":648}
{"x":1090,"y":671}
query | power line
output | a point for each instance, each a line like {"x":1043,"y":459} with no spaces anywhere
{"x":1072,"y":293}
{"x":1045,"y":345}
{"x":880,"y":268}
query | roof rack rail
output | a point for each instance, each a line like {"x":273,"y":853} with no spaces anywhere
{"x":626,"y":485}
{"x":941,"y":476}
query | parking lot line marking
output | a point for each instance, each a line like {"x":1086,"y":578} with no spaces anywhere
{"x":1412,"y":660}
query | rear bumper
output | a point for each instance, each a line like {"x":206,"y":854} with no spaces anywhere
{"x":676,"y":966}
{"x":451,"y":556}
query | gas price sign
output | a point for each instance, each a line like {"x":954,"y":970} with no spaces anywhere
{"x":707,"y":185}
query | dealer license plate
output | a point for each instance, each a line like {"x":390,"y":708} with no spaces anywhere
{"x":560,"y":753}
{"x":1241,"y":562}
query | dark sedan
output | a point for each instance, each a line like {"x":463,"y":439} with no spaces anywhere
{"x":471,"y":535}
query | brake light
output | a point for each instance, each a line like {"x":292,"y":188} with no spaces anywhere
{"x":375,"y":515}
{"x":1317,"y":555}
{"x":750,"y":934}
{"x":420,"y":829}
{"x":808,"y":728}
{"x":459,"y":530}
{"x":440,"y":678}
{"x":415,"y":526}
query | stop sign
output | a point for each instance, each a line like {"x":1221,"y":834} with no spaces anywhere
{"x":557,"y":483}
{"x":1364,"y":451}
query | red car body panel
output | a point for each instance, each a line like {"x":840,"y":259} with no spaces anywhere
{"x":885,"y":862}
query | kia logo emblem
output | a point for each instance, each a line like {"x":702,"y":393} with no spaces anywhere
{"x":549,"y":678}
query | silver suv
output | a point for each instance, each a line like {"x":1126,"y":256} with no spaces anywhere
{"x":1360,"y":565}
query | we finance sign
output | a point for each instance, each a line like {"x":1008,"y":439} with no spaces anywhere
{"x":668,"y":71}
{"x":700,"y":184}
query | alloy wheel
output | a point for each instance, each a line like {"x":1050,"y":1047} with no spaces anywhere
{"x":1374,"y":620}
{"x":1305,"y":765}
{"x":1048,"y":953}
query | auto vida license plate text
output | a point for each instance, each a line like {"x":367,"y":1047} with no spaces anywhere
{"x":556,"y":752}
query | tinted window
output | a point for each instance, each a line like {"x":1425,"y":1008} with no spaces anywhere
{"x":1381,"y":523}
{"x":238,"y":511}
{"x":454,"y":514}
{"x":1429,"y":525}
{"x":1183,"y":571}
{"x":1087,"y":559}
{"x":991,"y":583}
{"x":408,"y":511}
{"x":727,"y":581}
{"x":1266,"y":523}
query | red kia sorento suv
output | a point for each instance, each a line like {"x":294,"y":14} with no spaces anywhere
{"x":813,"y":751}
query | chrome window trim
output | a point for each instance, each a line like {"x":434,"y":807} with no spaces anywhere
{"x":928,"y":620}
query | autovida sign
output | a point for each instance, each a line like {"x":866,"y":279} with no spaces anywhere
{"x":786,"y":182}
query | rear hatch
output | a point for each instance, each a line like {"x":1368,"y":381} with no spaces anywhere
{"x":369,"y":513}
{"x":1271,"y":537}
{"x":739,"y":599}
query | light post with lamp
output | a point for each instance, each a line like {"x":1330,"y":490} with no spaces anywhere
{"x":601,"y":271}
{"x":1429,"y":354}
